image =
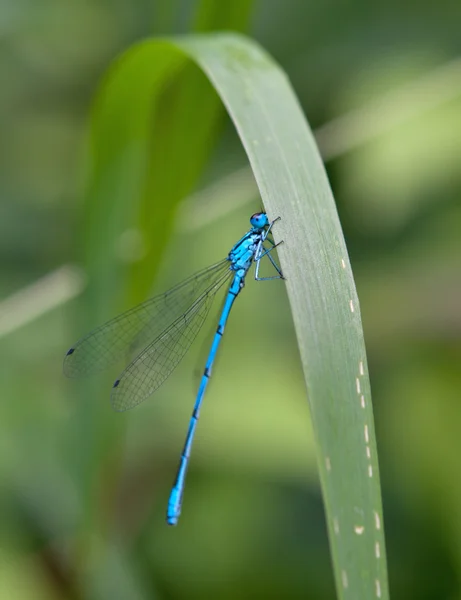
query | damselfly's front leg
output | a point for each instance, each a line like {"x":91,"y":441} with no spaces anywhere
{"x":261,"y":251}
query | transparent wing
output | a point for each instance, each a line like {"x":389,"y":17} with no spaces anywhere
{"x":126,"y":335}
{"x":149,"y":370}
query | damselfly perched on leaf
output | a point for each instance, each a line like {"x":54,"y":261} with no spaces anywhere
{"x":158,"y":333}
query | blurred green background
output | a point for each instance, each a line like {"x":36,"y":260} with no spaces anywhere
{"x":83,"y":490}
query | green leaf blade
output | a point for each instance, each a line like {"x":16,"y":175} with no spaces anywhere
{"x":293,"y":185}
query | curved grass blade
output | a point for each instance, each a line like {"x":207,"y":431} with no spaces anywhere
{"x":155,"y":364}
{"x":127,"y":334}
{"x":325,"y":307}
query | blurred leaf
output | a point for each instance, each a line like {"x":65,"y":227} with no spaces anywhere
{"x":212,"y":16}
{"x":154,"y":110}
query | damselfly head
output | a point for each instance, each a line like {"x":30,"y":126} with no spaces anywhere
{"x":259,"y":220}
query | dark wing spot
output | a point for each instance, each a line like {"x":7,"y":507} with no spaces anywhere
{"x":71,"y":351}
{"x":116,"y":383}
